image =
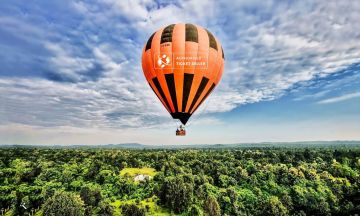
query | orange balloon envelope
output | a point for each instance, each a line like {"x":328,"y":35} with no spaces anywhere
{"x":182,"y":64}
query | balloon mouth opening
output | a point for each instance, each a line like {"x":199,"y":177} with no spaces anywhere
{"x":183,"y":117}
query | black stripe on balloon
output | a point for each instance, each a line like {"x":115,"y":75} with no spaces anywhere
{"x":201,"y":88}
{"x":148,"y":44}
{"x":212,"y":41}
{"x":188,"y":78}
{"x":166,"y":35}
{"x":161,"y":92}
{"x":223,"y":54}
{"x":191,"y":33}
{"x":171,"y":85}
{"x":207,"y":94}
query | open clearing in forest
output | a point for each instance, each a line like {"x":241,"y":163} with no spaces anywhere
{"x":132,"y":172}
{"x":153,"y":208}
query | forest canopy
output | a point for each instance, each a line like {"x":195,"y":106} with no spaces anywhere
{"x":266,"y":181}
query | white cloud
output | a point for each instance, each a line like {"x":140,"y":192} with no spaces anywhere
{"x":269,"y":47}
{"x":114,"y":103}
{"x":293,"y":44}
{"x":340,"y":98}
{"x":309,"y":96}
{"x":66,"y":64}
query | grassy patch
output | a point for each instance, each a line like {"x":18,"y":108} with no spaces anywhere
{"x":9,"y":213}
{"x":132,"y":172}
{"x":153,"y":208}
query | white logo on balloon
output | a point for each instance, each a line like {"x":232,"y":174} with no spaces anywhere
{"x":163,"y":60}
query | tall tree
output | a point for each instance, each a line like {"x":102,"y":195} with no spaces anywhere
{"x":63,"y":204}
{"x":211,"y":207}
{"x":90,"y":195}
{"x":176,"y":194}
{"x":132,"y":210}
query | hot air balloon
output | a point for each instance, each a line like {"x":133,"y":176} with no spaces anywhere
{"x":182,"y":64}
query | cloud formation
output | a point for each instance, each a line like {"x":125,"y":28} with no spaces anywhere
{"x":340,"y":98}
{"x":77,"y":63}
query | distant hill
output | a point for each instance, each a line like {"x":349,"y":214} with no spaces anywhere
{"x":306,"y":144}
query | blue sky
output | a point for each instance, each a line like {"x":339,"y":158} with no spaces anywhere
{"x":71,"y":74}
